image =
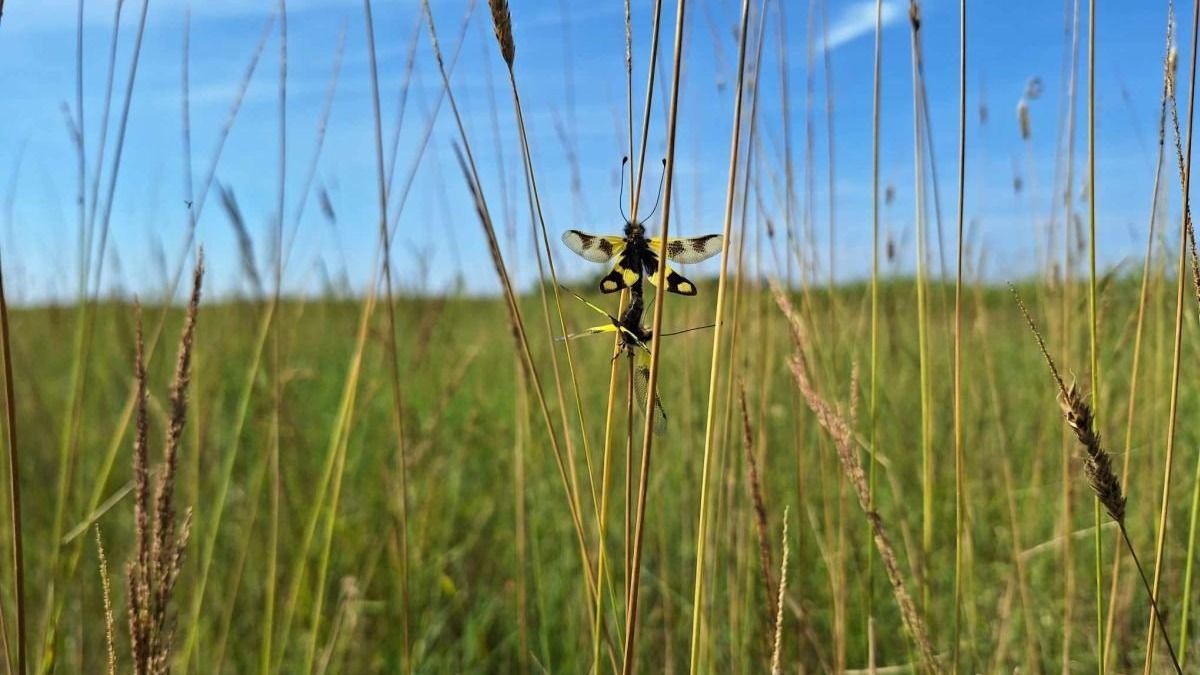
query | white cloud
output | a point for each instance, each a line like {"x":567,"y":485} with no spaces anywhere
{"x":859,"y":20}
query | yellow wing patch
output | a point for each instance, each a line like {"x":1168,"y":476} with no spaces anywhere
{"x":676,"y":282}
{"x":621,"y":276}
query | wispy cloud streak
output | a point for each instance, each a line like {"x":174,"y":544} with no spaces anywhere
{"x":858,"y":20}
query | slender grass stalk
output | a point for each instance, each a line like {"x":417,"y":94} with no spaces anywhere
{"x":598,"y":626}
{"x":225,"y":481}
{"x":502,"y":21}
{"x":1093,"y":316}
{"x":1176,"y":358}
{"x":336,"y":463}
{"x":14,"y":478}
{"x":1065,"y":309}
{"x":627,"y":665}
{"x":86,"y":316}
{"x":521,"y":434}
{"x":272,"y":561}
{"x":959,"y":456}
{"x":927,"y":489}
{"x":718,"y":332}
{"x":1143,"y":296}
{"x":467,"y":164}
{"x":1193,"y":518}
{"x":1080,"y":418}
{"x":838,"y":428}
{"x":393,"y":359}
{"x":873,"y":403}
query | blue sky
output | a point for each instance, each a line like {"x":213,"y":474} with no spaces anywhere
{"x":570,"y":67}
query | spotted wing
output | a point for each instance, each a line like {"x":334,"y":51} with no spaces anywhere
{"x":688,"y":250}
{"x":595,"y":248}
{"x":676,"y":282}
{"x":641,"y":384}
{"x":623,"y":275}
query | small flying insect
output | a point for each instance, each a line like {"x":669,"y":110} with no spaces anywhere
{"x":636,"y":254}
{"x":635,"y":343}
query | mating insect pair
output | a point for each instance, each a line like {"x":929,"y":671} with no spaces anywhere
{"x":637,"y":257}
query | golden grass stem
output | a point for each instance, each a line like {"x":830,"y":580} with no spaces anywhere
{"x":598,"y":625}
{"x":1176,"y":358}
{"x":14,"y":478}
{"x":718,"y":333}
{"x":627,"y":665}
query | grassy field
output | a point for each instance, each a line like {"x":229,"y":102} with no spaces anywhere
{"x":477,"y":589}
{"x":895,"y":474}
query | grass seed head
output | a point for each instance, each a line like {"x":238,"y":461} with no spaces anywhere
{"x":502,"y":22}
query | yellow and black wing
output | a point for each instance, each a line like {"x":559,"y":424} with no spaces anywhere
{"x":623,"y":275}
{"x":595,"y":248}
{"x":676,"y":282}
{"x":641,"y":384}
{"x":688,"y":250}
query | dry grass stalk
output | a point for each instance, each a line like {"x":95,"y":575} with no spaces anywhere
{"x":1097,"y":465}
{"x":160,"y":539}
{"x":778,"y":642}
{"x":1077,"y":413}
{"x":760,"y":508}
{"x":109,"y":623}
{"x":843,"y":437}
{"x":14,"y":481}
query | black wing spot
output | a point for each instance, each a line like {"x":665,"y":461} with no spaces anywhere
{"x":612,"y":282}
{"x":700,"y":244}
{"x":677,"y":283}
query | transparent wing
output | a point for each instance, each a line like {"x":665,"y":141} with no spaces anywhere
{"x":594,"y":330}
{"x":595,"y":248}
{"x":584,"y":301}
{"x":641,"y":384}
{"x":688,"y":250}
